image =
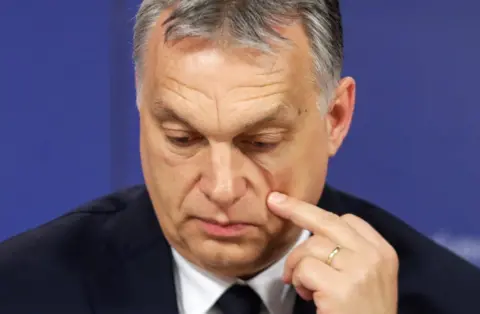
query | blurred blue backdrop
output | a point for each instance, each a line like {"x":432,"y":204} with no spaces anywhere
{"x":69,"y":130}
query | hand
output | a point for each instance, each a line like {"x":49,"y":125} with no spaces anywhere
{"x":362,"y":277}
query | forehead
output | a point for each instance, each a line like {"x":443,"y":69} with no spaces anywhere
{"x":201,"y":72}
{"x":194,"y":58}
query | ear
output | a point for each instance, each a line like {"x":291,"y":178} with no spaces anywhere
{"x":339,"y":116}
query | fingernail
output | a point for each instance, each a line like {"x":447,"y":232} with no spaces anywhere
{"x":277,"y":198}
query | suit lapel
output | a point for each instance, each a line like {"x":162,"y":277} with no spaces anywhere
{"x":330,"y":201}
{"x":137,"y":275}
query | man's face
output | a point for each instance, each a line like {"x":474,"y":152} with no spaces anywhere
{"x":222,"y":128}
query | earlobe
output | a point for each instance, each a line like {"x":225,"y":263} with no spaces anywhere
{"x":332,"y":143}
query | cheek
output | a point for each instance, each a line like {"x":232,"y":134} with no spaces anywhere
{"x":168,"y":176}
{"x":301,"y":176}
{"x":281,"y":171}
{"x":279,"y":179}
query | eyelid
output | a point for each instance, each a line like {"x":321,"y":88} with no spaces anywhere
{"x":180,"y":132}
{"x":268,"y":136}
{"x":177,"y":134}
{"x":269,"y":131}
{"x":174,"y":126}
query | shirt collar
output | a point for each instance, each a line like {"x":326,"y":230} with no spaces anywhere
{"x":198,"y":290}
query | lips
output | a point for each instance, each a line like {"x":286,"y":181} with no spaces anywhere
{"x":218,"y":229}
{"x":223,"y":224}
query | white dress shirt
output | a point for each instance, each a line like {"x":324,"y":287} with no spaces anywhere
{"x":198,"y":290}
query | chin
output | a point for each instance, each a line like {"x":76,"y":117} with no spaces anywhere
{"x":229,"y":259}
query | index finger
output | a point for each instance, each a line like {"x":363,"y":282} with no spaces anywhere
{"x":314,"y":219}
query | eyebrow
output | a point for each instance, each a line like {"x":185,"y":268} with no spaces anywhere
{"x":280,"y":115}
{"x":165,"y":113}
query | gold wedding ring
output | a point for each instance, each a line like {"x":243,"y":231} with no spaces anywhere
{"x":332,"y":255}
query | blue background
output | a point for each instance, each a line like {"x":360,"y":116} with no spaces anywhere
{"x":69,"y":129}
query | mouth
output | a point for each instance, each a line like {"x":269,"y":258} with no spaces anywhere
{"x":222,"y":230}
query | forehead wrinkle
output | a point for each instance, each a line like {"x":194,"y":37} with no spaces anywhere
{"x":284,"y":113}
{"x":165,"y":111}
{"x":164,"y":83}
{"x":272,"y":72}
{"x":258,"y":86}
{"x":172,"y":90}
{"x":186,"y":107}
{"x":263,"y":96}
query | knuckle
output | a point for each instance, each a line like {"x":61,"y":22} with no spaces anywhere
{"x":391,"y":255}
{"x":304,"y":269}
{"x":330,"y":218}
{"x":331,"y":223}
{"x":350,"y":218}
{"x":353,"y":221}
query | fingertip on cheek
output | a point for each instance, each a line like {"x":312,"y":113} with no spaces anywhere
{"x":277,"y":198}
{"x":276,"y":202}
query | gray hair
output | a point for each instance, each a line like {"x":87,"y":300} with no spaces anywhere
{"x":250,"y":23}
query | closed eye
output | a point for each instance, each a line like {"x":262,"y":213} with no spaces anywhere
{"x":183,"y":141}
{"x":259,"y":146}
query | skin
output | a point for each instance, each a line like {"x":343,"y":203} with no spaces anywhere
{"x":222,"y":128}
{"x":361,"y":278}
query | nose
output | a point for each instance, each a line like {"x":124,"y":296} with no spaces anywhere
{"x":221,"y":181}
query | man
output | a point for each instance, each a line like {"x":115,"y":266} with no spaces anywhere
{"x":241,"y":106}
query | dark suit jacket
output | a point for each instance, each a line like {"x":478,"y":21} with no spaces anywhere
{"x":110,"y":257}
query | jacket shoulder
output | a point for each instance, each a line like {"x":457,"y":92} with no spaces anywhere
{"x":56,"y":256}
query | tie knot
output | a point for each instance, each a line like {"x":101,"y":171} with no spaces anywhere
{"x":240,"y":299}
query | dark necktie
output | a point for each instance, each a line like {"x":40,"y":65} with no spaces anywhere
{"x":239,"y":299}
